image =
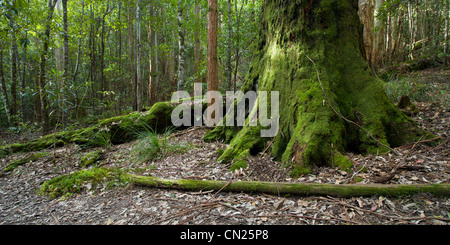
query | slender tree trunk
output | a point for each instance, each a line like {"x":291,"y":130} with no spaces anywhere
{"x":104,"y":83}
{"x":197,"y":43}
{"x":66,"y":74}
{"x":366,"y":16}
{"x":152,"y":85}
{"x":230,"y":42}
{"x":212,"y":62}
{"x":138,"y":57}
{"x":77,"y":64}
{"x":23,"y":81}
{"x":43,"y":75}
{"x":379,"y":36}
{"x":237,"y":43}
{"x":446,"y":58}
{"x":14,"y":66}
{"x":171,"y":68}
{"x":80,"y":39}
{"x":38,"y":98}
{"x":121,"y":82}
{"x":180,"y":83}
{"x":5,"y":98}
{"x":132,"y":60}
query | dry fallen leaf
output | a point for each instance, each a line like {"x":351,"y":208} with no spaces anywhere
{"x":360,"y":203}
{"x":109,"y":221}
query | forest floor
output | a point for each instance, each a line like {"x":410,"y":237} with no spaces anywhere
{"x":419,"y":163}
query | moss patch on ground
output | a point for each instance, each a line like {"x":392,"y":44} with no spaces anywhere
{"x":90,"y":158}
{"x":24,"y":160}
{"x":90,"y":180}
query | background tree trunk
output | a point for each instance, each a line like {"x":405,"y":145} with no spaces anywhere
{"x":180,"y":83}
{"x":197,"y":42}
{"x":5,"y":98}
{"x":42,"y":77}
{"x":212,"y":65}
{"x":313,"y":55}
{"x":446,"y":58}
{"x":138,"y":58}
{"x":230,"y":46}
{"x":66,"y":74}
{"x":152,"y":85}
{"x":14,"y":66}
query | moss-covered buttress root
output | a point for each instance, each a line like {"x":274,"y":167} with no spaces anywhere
{"x":277,"y":188}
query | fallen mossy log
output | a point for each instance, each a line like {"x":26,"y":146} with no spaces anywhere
{"x":116,"y":130}
{"x":279,"y":188}
{"x":111,"y":131}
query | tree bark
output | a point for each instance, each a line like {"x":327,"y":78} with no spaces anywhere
{"x":23,"y":81}
{"x":5,"y":98}
{"x":66,"y":39}
{"x":180,"y":83}
{"x":132,"y":61}
{"x":138,"y":57}
{"x":237,"y":43}
{"x":329,"y":103}
{"x":197,"y":42}
{"x":77,"y":64}
{"x":378,"y":40}
{"x":212,"y":65}
{"x":280,"y":188}
{"x":446,"y":58}
{"x":43,"y":75}
{"x":14,"y":66}
{"x":230,"y":51}
{"x":152,"y":85}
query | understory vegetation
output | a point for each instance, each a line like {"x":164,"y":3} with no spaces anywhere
{"x":152,"y":145}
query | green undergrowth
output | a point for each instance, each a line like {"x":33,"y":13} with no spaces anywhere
{"x":152,"y":145}
{"x":416,"y":90}
{"x":94,"y":179}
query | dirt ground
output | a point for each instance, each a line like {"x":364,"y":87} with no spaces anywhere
{"x":134,"y":205}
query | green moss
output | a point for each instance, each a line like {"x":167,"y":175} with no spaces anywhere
{"x":342,"y":162}
{"x":247,"y":141}
{"x":76,"y":182}
{"x":220,"y":151}
{"x":357,"y":179}
{"x":240,"y":161}
{"x":90,"y":158}
{"x":343,"y":190}
{"x":24,"y":160}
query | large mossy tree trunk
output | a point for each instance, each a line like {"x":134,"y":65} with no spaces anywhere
{"x":301,"y":43}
